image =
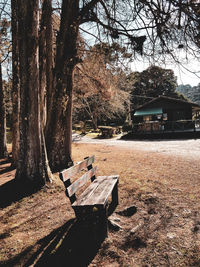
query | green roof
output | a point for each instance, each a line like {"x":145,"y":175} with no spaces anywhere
{"x":150,"y":111}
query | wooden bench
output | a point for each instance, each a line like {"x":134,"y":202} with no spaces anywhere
{"x":91,"y":206}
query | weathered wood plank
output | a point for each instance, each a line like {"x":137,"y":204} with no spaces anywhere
{"x":98,"y":192}
{"x":81,"y":181}
{"x":104,"y":190}
{"x":72,"y":171}
{"x":89,"y":191}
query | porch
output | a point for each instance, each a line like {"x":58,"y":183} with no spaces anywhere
{"x":166,"y":130}
{"x":166,"y":126}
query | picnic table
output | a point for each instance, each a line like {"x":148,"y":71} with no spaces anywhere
{"x":106,"y":131}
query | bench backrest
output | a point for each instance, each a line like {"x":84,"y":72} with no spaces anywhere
{"x":67,"y":174}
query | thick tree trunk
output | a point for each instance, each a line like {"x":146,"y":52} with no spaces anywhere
{"x":15,"y":84}
{"x":3,"y":147}
{"x":59,"y":136}
{"x":31,"y":165}
{"x":59,"y":122}
{"x":47,"y":9}
{"x":42,"y":67}
{"x":45,"y":77}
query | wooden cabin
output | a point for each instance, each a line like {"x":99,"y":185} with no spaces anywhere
{"x":165,"y":114}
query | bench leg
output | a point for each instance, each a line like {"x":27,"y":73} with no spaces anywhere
{"x":95,"y":224}
{"x":104,"y":225}
{"x":115,"y":195}
{"x":100,"y":225}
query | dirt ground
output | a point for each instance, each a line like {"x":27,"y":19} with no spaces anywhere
{"x":189,"y":148}
{"x":162,"y":187}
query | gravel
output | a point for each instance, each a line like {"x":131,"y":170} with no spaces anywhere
{"x":189,"y":148}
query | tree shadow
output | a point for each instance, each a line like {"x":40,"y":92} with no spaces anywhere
{"x":5,"y":161}
{"x":77,"y":247}
{"x":6,"y":169}
{"x":164,"y":136}
{"x":69,"y":245}
{"x":15,"y":190}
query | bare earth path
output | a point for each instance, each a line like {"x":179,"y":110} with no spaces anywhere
{"x":189,"y":148}
{"x":162,"y":179}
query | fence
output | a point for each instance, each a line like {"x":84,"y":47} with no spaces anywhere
{"x":166,"y":126}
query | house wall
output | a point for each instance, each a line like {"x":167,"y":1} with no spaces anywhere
{"x":175,"y":110}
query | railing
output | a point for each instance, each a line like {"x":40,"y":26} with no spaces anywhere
{"x":166,"y":126}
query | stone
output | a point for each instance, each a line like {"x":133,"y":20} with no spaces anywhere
{"x":136,"y":228}
{"x":130,"y":211}
{"x":113,"y":225}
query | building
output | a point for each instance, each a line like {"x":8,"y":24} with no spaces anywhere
{"x":165,"y":114}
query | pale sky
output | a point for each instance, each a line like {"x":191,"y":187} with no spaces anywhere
{"x":183,"y":76}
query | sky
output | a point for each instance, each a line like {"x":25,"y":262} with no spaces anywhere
{"x":183,"y":76}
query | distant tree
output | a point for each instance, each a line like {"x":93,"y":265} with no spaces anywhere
{"x":151,"y":83}
{"x":191,"y":92}
{"x":184,"y":89}
{"x":97,"y":95}
{"x":196,"y":94}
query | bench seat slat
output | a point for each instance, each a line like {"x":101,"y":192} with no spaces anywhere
{"x":72,"y":171}
{"x":81,"y":181}
{"x":98,"y":192}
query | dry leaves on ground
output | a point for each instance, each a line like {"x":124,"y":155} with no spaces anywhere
{"x":164,"y":230}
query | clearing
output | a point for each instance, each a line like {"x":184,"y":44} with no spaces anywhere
{"x":159,"y":179}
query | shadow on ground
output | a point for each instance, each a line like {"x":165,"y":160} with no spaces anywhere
{"x":161,"y":136}
{"x":69,"y":245}
{"x":14,"y":190}
{"x":4,"y":167}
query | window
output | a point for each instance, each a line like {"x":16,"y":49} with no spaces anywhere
{"x":147,"y":118}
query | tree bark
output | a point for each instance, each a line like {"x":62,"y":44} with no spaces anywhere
{"x":31,"y":165}
{"x":59,"y":122}
{"x":45,"y":69}
{"x":42,"y":66}
{"x":47,"y":9}
{"x":3,"y":147}
{"x":15,"y":84}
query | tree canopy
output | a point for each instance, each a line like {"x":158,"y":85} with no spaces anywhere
{"x":97,"y":94}
{"x":151,"y":83}
{"x":151,"y":28}
{"x":191,"y":92}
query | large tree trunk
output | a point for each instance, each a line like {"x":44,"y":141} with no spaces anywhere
{"x":47,"y":14}
{"x":3,"y":147}
{"x":59,"y":124}
{"x":31,"y":165}
{"x":42,"y":66}
{"x":15,"y":84}
{"x":45,"y":70}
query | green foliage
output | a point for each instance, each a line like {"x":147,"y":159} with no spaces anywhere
{"x":151,"y":83}
{"x":191,"y":92}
